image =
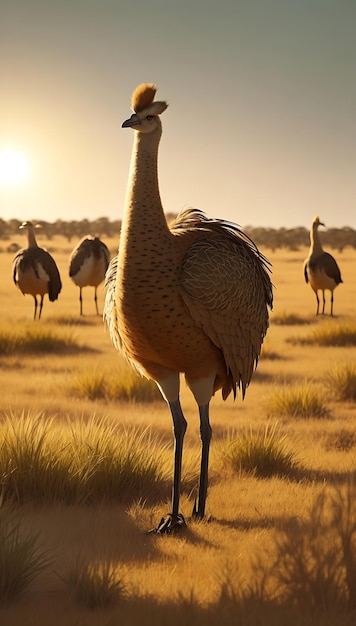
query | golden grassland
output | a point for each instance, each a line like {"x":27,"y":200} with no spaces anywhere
{"x":218,"y":571}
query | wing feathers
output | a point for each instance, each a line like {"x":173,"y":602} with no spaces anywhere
{"x":227,"y":296}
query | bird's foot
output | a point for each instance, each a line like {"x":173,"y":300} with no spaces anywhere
{"x":169,"y":525}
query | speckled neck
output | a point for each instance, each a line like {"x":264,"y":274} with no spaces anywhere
{"x":144,"y":222}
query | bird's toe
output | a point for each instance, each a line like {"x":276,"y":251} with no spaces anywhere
{"x":169,"y":525}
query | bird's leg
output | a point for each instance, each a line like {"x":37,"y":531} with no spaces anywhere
{"x":205,"y":435}
{"x":332,"y":304}
{"x":36,"y":303}
{"x":179,"y":428}
{"x":96,"y":301}
{"x":41,"y":305}
{"x":80,"y":301}
{"x":175,"y":520}
{"x":323,"y":301}
{"x":317,"y":303}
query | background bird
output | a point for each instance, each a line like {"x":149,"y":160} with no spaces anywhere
{"x":320,"y":268}
{"x":35,"y":271}
{"x":188,"y":298}
{"x":87,"y":266}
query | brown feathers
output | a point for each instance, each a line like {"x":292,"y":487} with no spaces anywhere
{"x":192,"y":298}
{"x":143,"y":96}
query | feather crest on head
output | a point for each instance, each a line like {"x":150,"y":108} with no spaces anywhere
{"x":143,"y":96}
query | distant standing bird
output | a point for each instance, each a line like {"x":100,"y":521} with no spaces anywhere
{"x":87,"y":266}
{"x":320,"y":268}
{"x":35,"y":271}
{"x":191,"y":297}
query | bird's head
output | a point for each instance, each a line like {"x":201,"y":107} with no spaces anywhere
{"x":28,"y":226}
{"x":317,"y":222}
{"x":145,"y":118}
{"x":25,"y":225}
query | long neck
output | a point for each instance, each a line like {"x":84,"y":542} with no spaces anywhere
{"x":144,"y":222}
{"x":32,"y":243}
{"x":315,"y":243}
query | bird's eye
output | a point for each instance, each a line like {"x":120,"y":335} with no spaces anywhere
{"x":149,"y":118}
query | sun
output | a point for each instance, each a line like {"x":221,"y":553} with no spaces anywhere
{"x":14,"y":167}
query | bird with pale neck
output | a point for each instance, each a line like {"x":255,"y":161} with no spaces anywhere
{"x":187,"y":298}
{"x":320,"y":268}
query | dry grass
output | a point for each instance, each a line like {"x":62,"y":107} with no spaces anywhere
{"x":89,"y":461}
{"x":21,"y":559}
{"x":343,"y":440}
{"x":300,"y":401}
{"x":340,"y":381}
{"x":263,"y":453}
{"x":119,"y":383}
{"x":289,"y":319}
{"x":95,"y":585}
{"x":330,"y":333}
{"x":33,"y":339}
{"x":316,"y":558}
{"x":278,"y":549}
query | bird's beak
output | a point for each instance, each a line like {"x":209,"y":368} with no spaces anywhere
{"x":322,"y":224}
{"x":134,"y":120}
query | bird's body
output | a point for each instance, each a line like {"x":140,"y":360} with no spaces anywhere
{"x":320,"y":268}
{"x":187,"y":298}
{"x":88,"y":264}
{"x":35,"y":271}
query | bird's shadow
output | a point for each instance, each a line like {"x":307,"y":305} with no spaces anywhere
{"x":262,"y":523}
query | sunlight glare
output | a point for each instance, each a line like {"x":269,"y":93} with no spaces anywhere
{"x":14,"y":166}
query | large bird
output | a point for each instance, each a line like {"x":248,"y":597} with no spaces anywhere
{"x":188,"y":298}
{"x":87,"y":266}
{"x":320,"y":268}
{"x":35,"y":271}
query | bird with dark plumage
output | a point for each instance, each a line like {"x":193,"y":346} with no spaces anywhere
{"x":35,"y":271}
{"x":191,"y":297}
{"x":87,"y":266}
{"x":320,"y":268}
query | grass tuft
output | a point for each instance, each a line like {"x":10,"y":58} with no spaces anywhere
{"x":330,"y":333}
{"x":340,"y":381}
{"x":88,"y":462}
{"x":90,"y":385}
{"x":96,"y":585}
{"x":21,"y":561}
{"x":304,"y":401}
{"x":122,"y":383}
{"x":289,"y":319}
{"x":36,"y":339}
{"x":316,"y":558}
{"x":263,"y":453}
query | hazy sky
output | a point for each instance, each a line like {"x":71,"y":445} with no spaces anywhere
{"x":261,"y":123}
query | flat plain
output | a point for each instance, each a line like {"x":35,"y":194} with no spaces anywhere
{"x":233,"y":567}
